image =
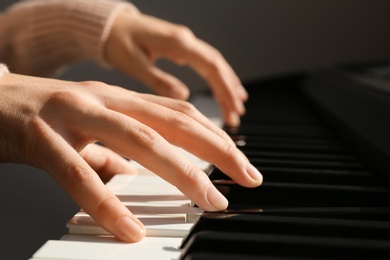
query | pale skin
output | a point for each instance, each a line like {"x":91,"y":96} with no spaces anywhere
{"x":137,"y":40}
{"x":54,"y":124}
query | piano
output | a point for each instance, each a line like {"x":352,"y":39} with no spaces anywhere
{"x":320,"y":138}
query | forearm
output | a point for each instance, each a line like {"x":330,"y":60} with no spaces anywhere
{"x":40,"y":36}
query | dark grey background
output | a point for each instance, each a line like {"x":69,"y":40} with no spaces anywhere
{"x":258,"y":37}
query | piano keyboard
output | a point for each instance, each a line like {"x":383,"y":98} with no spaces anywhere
{"x":319,"y":198}
{"x":167,"y":214}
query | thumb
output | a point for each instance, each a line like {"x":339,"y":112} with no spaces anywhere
{"x":82,"y":183}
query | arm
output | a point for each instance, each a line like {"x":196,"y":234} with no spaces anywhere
{"x":44,"y":35}
{"x":41,"y":36}
{"x":53,"y":124}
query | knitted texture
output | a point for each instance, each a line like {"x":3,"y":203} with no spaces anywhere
{"x":40,"y":36}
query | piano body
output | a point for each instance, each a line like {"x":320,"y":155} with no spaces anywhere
{"x":322,"y":142}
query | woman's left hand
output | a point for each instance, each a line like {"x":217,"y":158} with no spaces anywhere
{"x":135,"y":42}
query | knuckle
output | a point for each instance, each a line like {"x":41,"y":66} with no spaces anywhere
{"x":77,"y":176}
{"x":221,"y":133}
{"x":180,"y":120}
{"x":65,"y":101}
{"x":193,"y":177}
{"x":65,"y":98}
{"x":105,"y":205}
{"x":213,"y":63}
{"x":185,"y":107}
{"x":93,"y":84}
{"x":181,"y":34}
{"x":230,"y":151}
{"x":147,"y":136}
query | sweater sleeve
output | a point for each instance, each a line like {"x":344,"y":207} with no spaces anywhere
{"x":40,"y":36}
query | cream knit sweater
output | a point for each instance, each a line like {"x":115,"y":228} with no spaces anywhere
{"x":37,"y":37}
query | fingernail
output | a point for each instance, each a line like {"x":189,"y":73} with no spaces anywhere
{"x":216,"y":199}
{"x":254,"y":173}
{"x":129,"y":229}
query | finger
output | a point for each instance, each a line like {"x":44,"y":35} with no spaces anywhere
{"x":163,"y":83}
{"x":189,"y":110}
{"x":105,"y":162}
{"x":211,"y":65}
{"x":176,"y":105}
{"x":137,"y":63}
{"x":181,"y":130}
{"x":151,"y":37}
{"x":226,"y":86}
{"x":142,"y":144}
{"x":67,"y":167}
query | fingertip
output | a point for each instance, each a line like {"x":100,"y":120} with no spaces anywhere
{"x":255,"y":174}
{"x":216,"y":200}
{"x":232,"y":120}
{"x":240,"y":108}
{"x":179,"y":92}
{"x":243,"y":93}
{"x":126,"y":167}
{"x":129,"y":229}
{"x":168,"y":85}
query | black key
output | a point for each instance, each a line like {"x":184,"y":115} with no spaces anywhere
{"x":303,"y":226}
{"x":277,"y":195}
{"x":271,"y":245}
{"x":309,"y":176}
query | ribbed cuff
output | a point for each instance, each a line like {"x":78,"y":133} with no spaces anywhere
{"x":88,"y":22}
{"x":109,"y":21}
{"x":3,"y":70}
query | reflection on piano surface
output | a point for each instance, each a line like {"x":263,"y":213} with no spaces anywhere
{"x":319,"y":141}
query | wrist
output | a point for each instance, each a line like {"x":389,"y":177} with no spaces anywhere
{"x":107,"y":29}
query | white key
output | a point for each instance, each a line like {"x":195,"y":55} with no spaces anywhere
{"x":160,"y":206}
{"x":74,"y":247}
{"x":157,"y":225}
{"x":164,"y":232}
